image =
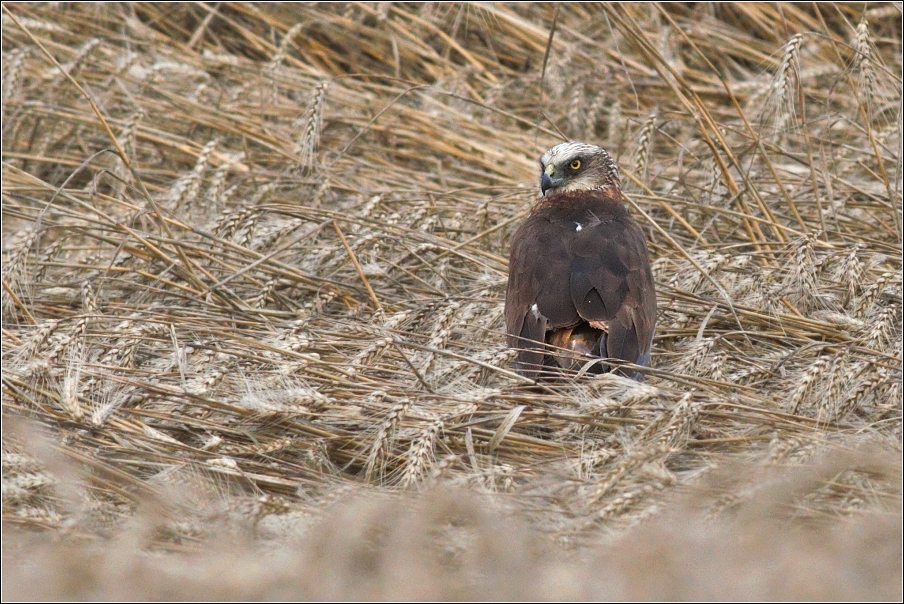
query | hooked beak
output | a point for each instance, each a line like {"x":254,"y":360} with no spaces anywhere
{"x":545,"y":183}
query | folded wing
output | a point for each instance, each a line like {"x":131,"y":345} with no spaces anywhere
{"x":562,"y":279}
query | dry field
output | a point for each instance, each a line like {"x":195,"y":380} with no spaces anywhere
{"x":254,"y":261}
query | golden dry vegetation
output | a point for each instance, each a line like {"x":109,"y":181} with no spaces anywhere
{"x":254,"y":260}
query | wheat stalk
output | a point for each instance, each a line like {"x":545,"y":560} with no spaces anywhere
{"x":420,"y":453}
{"x":384,"y":433}
{"x":804,"y":385}
{"x":311,"y":124}
{"x":644,"y":144}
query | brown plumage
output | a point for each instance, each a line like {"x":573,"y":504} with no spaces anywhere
{"x":580,"y":285}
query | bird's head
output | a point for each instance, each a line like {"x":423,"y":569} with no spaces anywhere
{"x":577,"y":167}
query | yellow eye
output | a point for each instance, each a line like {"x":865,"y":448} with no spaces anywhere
{"x":575,"y":164}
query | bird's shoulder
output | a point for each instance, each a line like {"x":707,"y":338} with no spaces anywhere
{"x":564,"y":208}
{"x":577,"y":242}
{"x":581,"y":222}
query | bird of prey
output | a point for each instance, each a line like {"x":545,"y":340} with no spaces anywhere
{"x":580,"y":285}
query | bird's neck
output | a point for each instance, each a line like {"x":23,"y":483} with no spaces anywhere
{"x":604,"y":200}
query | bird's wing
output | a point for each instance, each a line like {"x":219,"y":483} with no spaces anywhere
{"x":537,"y":297}
{"x":610,"y":281}
{"x":560,"y":276}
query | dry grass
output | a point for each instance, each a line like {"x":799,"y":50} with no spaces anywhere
{"x":253,"y":274}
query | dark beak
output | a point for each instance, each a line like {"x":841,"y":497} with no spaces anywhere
{"x":545,"y":183}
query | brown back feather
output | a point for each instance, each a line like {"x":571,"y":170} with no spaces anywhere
{"x":599,"y":272}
